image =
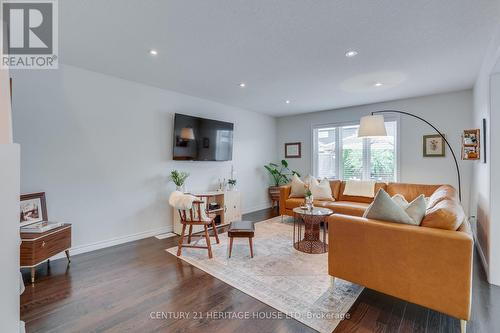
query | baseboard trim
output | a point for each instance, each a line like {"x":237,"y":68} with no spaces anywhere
{"x":141,"y":235}
{"x":482,"y":256}
{"x":114,"y":241}
{"x":256,"y":208}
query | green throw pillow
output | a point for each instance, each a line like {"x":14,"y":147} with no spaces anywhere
{"x":385,"y":208}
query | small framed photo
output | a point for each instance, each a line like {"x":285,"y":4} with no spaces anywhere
{"x":33,"y":208}
{"x":292,"y":150}
{"x":434,"y":146}
{"x":471,"y":148}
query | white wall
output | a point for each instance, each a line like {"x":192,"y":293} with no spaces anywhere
{"x":451,"y":113}
{"x":5,"y":114}
{"x":101,"y":149}
{"x":494,"y":234}
{"x":9,"y":215}
{"x":484,"y":192}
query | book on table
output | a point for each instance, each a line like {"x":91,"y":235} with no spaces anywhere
{"x":40,"y":227}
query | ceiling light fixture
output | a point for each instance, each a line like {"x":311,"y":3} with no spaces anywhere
{"x":287,"y":101}
{"x":153,"y":52}
{"x":243,"y":85}
{"x":378,"y":84}
{"x":351,"y":53}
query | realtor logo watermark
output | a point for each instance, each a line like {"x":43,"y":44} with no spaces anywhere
{"x":29,"y":34}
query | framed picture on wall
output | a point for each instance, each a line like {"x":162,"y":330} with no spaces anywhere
{"x":433,"y":146}
{"x":471,"y":148}
{"x":33,"y":208}
{"x":293,"y":150}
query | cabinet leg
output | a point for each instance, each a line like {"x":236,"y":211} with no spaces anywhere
{"x":33,"y":269}
{"x":332,"y":282}
{"x":67,"y":256}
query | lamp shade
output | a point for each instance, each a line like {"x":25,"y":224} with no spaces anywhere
{"x":370,"y":126}
{"x":187,"y":133}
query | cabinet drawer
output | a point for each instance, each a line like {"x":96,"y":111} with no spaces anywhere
{"x":39,"y":249}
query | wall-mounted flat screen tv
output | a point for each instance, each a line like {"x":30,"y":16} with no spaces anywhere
{"x":200,"y":139}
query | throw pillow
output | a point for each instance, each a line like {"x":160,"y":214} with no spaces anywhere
{"x":297,"y":190}
{"x":400,"y":200}
{"x":321,"y":190}
{"x":298,"y":186}
{"x":360,"y":188}
{"x":416,"y":209}
{"x":446,"y":214}
{"x":385,"y":209}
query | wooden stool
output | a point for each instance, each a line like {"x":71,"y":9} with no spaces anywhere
{"x":241,"y":229}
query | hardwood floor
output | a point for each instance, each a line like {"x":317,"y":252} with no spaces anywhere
{"x":122,"y":289}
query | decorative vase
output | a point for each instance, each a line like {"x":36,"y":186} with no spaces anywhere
{"x":309,"y":202}
{"x":180,"y":188}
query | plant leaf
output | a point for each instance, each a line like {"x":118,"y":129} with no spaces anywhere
{"x":284,"y":163}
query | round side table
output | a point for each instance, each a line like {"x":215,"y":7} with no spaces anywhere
{"x":311,"y":241}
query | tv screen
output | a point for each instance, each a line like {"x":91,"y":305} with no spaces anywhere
{"x":200,"y":139}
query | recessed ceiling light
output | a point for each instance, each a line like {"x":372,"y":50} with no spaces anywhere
{"x":153,"y":52}
{"x":243,"y":85}
{"x":351,"y":53}
{"x":287,"y":101}
{"x":378,"y":84}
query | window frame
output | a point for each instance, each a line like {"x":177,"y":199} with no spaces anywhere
{"x":338,"y":125}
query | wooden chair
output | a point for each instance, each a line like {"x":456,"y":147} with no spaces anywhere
{"x":191,"y":218}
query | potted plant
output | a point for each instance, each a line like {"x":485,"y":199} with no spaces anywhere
{"x":280,"y":175}
{"x":232,"y":184}
{"x":179,"y":179}
{"x":308,"y":197}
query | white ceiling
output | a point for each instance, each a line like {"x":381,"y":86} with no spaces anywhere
{"x":283,"y":49}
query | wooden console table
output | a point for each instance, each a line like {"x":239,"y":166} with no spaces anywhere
{"x":37,"y":248}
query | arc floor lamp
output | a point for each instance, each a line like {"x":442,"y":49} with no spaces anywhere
{"x":373,"y":125}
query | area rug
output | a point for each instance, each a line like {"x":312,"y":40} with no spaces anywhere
{"x":295,"y":283}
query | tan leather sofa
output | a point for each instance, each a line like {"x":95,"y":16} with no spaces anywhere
{"x":428,"y":266}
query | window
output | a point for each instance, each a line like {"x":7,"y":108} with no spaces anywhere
{"x":340,"y":154}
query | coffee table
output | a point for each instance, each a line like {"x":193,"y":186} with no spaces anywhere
{"x":311,"y":219}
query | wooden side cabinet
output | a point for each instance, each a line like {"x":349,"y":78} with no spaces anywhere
{"x":37,"y":248}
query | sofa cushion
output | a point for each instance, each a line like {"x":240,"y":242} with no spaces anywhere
{"x":446,"y":214}
{"x":291,"y":203}
{"x":343,"y":197}
{"x":335,"y":186}
{"x":411,"y":191}
{"x":444,"y":192}
{"x":384,"y":208}
{"x":344,"y":207}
